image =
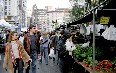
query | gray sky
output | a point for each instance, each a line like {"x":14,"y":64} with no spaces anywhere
{"x":43,"y":3}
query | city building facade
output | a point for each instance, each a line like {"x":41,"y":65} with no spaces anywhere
{"x":39,"y":18}
{"x":42,"y":19}
{"x":47,"y":19}
{"x":1,"y":9}
{"x":58,"y":17}
{"x":11,"y":10}
{"x":29,"y":17}
{"x":23,"y":13}
{"x":15,"y":11}
{"x":35,"y":16}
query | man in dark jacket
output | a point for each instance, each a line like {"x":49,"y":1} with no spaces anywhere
{"x":60,"y":42}
{"x":31,"y":46}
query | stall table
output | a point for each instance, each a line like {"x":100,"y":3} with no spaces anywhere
{"x":89,"y":70}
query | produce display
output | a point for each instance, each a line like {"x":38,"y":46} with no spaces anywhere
{"x":84,"y":55}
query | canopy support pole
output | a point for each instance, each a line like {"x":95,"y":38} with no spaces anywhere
{"x":94,"y":41}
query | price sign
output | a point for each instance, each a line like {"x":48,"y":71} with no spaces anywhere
{"x":104,"y":20}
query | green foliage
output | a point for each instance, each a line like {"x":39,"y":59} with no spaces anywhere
{"x":89,"y":61}
{"x":81,"y":52}
{"x":114,"y":60}
{"x":99,"y":52}
{"x":78,"y":11}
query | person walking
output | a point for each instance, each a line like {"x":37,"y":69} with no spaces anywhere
{"x":52,"y":45}
{"x":21,"y":38}
{"x":7,"y":35}
{"x":15,"y":55}
{"x":60,"y":45}
{"x":44,"y":42}
{"x":31,"y":46}
{"x":57,"y":47}
{"x":38,"y":35}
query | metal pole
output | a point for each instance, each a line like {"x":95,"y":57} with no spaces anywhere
{"x":93,"y":41}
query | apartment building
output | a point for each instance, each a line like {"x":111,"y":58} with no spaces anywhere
{"x":1,"y":9}
{"x":23,"y":12}
{"x":42,"y":16}
{"x":58,"y":17}
{"x":11,"y":10}
{"x":14,"y":11}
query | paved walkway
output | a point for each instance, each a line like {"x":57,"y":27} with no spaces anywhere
{"x":41,"y":67}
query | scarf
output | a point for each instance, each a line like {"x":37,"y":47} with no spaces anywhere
{"x":12,"y":55}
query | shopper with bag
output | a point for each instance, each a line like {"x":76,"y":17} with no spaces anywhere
{"x":44,"y":42}
{"x":52,"y":46}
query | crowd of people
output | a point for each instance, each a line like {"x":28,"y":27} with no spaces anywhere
{"x":31,"y":46}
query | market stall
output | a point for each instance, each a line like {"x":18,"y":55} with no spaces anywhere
{"x":100,"y":55}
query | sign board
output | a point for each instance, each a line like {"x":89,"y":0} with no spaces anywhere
{"x":104,"y":20}
{"x":81,"y":2}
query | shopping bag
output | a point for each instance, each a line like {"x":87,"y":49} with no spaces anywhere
{"x":51,"y":53}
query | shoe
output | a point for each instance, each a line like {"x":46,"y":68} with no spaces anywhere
{"x":40,"y":61}
{"x":50,"y":57}
{"x":46,"y":64}
{"x":53,"y":59}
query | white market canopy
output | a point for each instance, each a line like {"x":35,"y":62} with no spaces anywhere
{"x":2,"y":22}
{"x":5,"y":24}
{"x":24,"y":29}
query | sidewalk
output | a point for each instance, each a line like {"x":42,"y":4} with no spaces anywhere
{"x":41,"y":67}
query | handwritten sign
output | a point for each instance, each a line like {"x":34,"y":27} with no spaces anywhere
{"x":104,"y":20}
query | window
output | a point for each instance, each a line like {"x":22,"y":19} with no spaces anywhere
{"x":5,"y":3}
{"x":9,"y":13}
{"x":5,"y":13}
{"x":5,"y":7}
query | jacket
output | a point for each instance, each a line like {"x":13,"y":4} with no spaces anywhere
{"x":27,"y":42}
{"x":8,"y":61}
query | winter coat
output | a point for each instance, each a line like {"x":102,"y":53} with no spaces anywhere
{"x":27,"y":42}
{"x":8,"y":61}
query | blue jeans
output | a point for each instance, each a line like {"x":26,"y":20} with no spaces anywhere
{"x":57,"y":57}
{"x":45,"y":51}
{"x":34,"y":60}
